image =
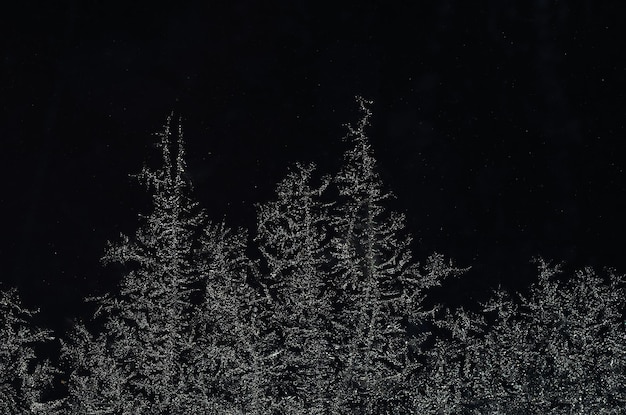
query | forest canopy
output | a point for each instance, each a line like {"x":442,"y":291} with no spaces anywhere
{"x":320,"y":309}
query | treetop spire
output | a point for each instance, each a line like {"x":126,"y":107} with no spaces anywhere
{"x":358,"y":131}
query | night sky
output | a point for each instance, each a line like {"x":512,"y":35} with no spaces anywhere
{"x":500,"y":128}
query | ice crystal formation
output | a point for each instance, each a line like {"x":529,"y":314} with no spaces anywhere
{"x":318,"y":310}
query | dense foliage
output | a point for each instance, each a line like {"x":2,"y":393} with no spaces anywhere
{"x":22,"y":378}
{"x":320,"y":311}
{"x":558,"y":350}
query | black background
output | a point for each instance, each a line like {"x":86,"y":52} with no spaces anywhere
{"x":499,"y":126}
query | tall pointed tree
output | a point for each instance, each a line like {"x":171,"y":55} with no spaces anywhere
{"x":147,"y":325}
{"x":292,"y":235}
{"x":379,"y":287}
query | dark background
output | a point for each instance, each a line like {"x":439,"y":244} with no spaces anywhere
{"x":499,"y":127}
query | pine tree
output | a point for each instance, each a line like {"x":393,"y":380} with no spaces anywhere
{"x":147,"y":329}
{"x":379,"y":287}
{"x":22,"y":378}
{"x":292,"y":235}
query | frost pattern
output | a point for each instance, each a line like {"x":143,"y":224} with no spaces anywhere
{"x":377,"y":287}
{"x":146,"y":337}
{"x":292,"y":235}
{"x":323,"y":313}
{"x":22,"y":378}
{"x":560,"y":350}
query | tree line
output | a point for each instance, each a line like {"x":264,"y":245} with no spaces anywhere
{"x":329,"y":317}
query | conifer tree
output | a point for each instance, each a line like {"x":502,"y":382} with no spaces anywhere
{"x":147,"y":325}
{"x":292,"y":235}
{"x":22,"y":378}
{"x":379,"y":287}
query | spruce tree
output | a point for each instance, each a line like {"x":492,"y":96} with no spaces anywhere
{"x":379,"y":288}
{"x":292,"y":235}
{"x":147,"y":321}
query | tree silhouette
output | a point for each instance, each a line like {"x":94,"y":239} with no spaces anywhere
{"x":330,"y":319}
{"x":147,"y":321}
{"x":378,"y":286}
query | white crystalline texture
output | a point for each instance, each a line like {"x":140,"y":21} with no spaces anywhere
{"x":323,"y":314}
{"x":22,"y":377}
